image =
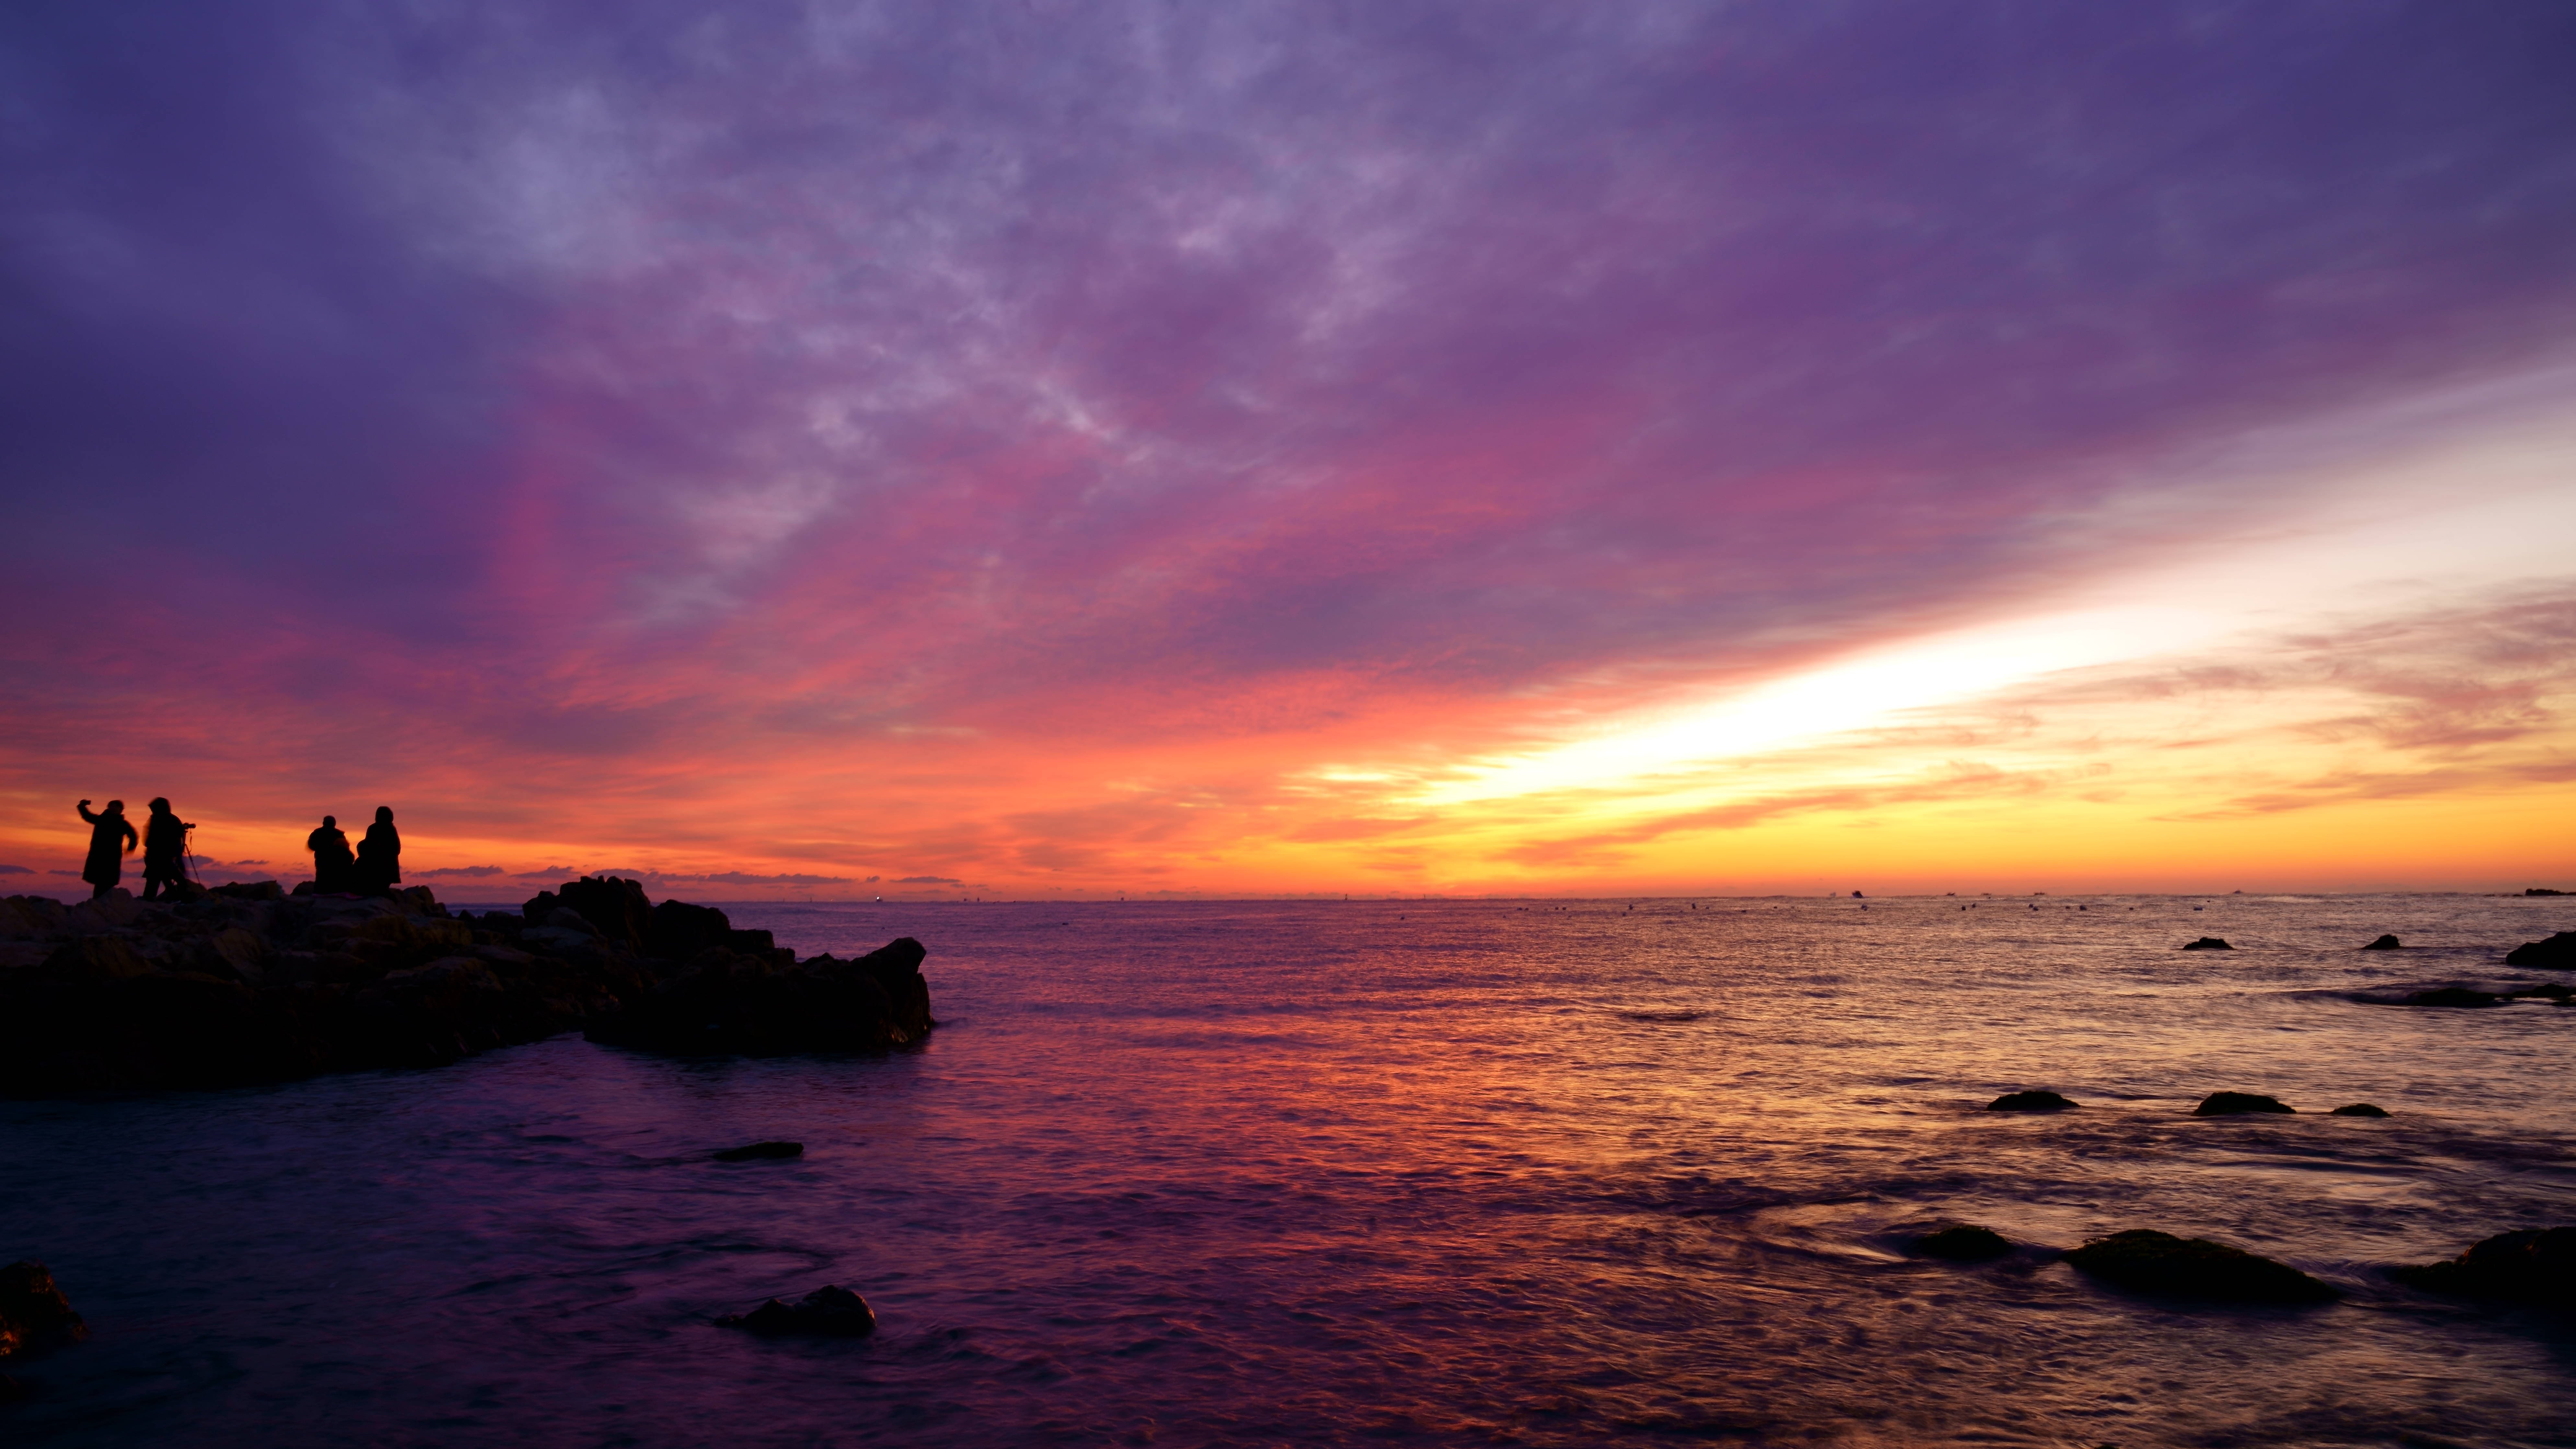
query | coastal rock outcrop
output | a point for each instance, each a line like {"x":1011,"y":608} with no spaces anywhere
{"x":2359,"y":1109}
{"x":759,"y":1151}
{"x":2030,"y":1102}
{"x":34,"y":1314}
{"x":2143,"y":1260}
{"x":2535,"y":1265}
{"x":2209,"y":943}
{"x":253,"y":984}
{"x":724,"y":1000}
{"x":828,"y":1311}
{"x":2384,"y":943}
{"x":2557,"y":951}
{"x":2230,"y":1104}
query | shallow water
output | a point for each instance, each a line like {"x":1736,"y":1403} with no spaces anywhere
{"x":1401,"y":1173}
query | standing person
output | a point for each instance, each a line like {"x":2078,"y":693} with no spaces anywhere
{"x":106,"y":856}
{"x":165,"y":842}
{"x":379,"y":856}
{"x":332,"y":862}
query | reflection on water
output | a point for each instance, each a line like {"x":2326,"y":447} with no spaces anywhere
{"x":1196,"y":1174}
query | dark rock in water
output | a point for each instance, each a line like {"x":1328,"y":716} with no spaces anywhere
{"x":1963,"y":1243}
{"x":2547,"y":991}
{"x":827,"y":1311}
{"x":2536,"y":1265}
{"x":2030,"y":1102}
{"x":2209,"y":943}
{"x":2452,"y":996}
{"x":2229,"y":1104}
{"x":727,"y":1001}
{"x":2359,"y":1109}
{"x":678,"y":931}
{"x":2146,"y":1261}
{"x":2558,"y":951}
{"x":2543,"y":891}
{"x":2384,"y":943}
{"x":759,"y":1150}
{"x":34,"y":1314}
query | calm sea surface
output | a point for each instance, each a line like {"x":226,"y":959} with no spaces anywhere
{"x":1382,"y":1173}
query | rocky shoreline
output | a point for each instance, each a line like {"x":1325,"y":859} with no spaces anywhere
{"x":247,"y":984}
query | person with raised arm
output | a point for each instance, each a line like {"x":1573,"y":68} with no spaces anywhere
{"x":106,"y":855}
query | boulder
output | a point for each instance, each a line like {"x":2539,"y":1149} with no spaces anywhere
{"x":34,"y":1314}
{"x":1963,"y":1243}
{"x":2384,"y":943}
{"x":2029,"y":1102}
{"x":251,"y":890}
{"x":2359,"y":1109}
{"x":101,"y":956}
{"x":678,"y":931}
{"x":2535,"y":1265}
{"x":760,"y":1151}
{"x":2547,"y":991}
{"x":2143,"y":1260}
{"x":2230,"y":1104}
{"x":828,"y":1311}
{"x":24,"y":916}
{"x":2557,"y":951}
{"x":2209,"y":943}
{"x":617,"y":908}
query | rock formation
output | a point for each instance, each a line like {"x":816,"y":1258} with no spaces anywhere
{"x":2558,"y":951}
{"x":2536,"y":1265}
{"x":2146,"y":1261}
{"x":828,"y":1311}
{"x":1963,"y":1243}
{"x":2359,"y":1109}
{"x":2209,"y":943}
{"x":2384,"y":943}
{"x":249,"y":984}
{"x":759,"y":1151}
{"x":34,"y":1314}
{"x":2029,"y":1102}
{"x":2229,"y":1104}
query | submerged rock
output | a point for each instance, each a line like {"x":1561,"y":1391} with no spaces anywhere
{"x":2384,"y":943}
{"x":2453,"y":996}
{"x":34,"y":1314}
{"x":2558,"y":951}
{"x":2536,"y":1265}
{"x":2030,"y":1102}
{"x":2229,"y":1104}
{"x":2359,"y":1109}
{"x":1963,"y":1243}
{"x":759,"y":1150}
{"x":828,"y":1311}
{"x":2209,"y":943}
{"x":2146,"y":1261}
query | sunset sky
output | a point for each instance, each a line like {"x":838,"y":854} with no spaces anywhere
{"x":1045,"y":449}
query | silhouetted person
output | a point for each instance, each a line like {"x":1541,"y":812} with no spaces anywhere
{"x":379,"y":856}
{"x":333,"y":865}
{"x":165,"y":846}
{"x":110,"y":836}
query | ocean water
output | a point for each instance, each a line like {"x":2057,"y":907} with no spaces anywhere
{"x":1371,"y":1173}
